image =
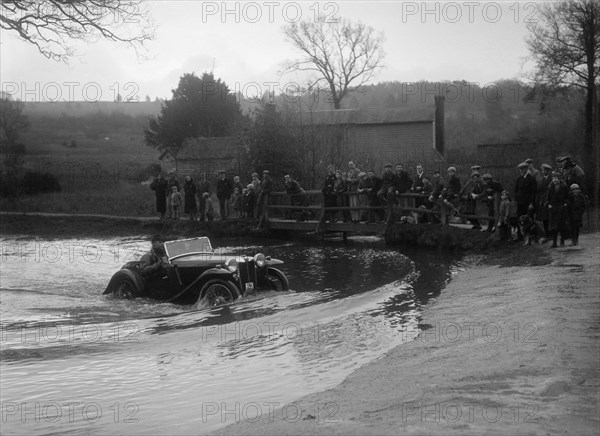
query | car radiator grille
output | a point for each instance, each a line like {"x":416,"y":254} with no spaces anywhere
{"x":247,"y":272}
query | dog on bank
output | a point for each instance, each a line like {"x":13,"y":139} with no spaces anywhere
{"x":530,"y":229}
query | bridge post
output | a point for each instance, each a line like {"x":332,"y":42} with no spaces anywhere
{"x":444,"y":215}
{"x":321,"y":223}
{"x":264,"y":216}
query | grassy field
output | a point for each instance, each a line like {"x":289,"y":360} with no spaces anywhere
{"x":107,"y":176}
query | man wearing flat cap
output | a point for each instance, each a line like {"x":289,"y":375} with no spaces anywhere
{"x":533,"y":170}
{"x":573,"y":173}
{"x":525,"y":192}
{"x":390,"y":183}
{"x":448,"y":192}
{"x":475,"y":169}
{"x":265,"y":188}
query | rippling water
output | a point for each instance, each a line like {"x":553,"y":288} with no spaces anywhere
{"x":76,"y":361}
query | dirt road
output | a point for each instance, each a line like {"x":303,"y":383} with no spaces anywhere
{"x":508,"y":350}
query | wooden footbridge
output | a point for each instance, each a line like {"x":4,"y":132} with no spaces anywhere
{"x":306,"y":212}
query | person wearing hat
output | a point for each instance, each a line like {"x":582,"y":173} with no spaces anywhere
{"x":264,"y":190}
{"x":541,"y":198}
{"x":576,"y":205}
{"x":524,"y":193}
{"x":154,"y":261}
{"x":573,"y":173}
{"x":469,"y":194}
{"x":224,"y":191}
{"x":159,"y":186}
{"x":490,"y":190}
{"x":475,"y":169}
{"x":390,"y":183}
{"x":453,"y":187}
{"x":171,"y":181}
{"x":329,"y":197}
{"x":533,"y":170}
{"x":190,"y":190}
{"x":404,"y":180}
{"x":295,"y":191}
{"x":447,"y":193}
{"x":558,"y":195}
{"x":437,"y":182}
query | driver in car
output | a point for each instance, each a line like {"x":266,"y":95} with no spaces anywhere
{"x":155,"y":260}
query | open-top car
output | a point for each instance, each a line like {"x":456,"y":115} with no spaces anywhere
{"x":193,"y":273}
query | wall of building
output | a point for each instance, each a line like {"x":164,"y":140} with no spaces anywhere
{"x":408,"y":143}
{"x":195,"y":167}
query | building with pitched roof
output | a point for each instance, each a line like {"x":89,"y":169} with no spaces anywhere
{"x":396,"y":135}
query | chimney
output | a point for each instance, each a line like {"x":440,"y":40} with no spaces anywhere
{"x":439,"y":124}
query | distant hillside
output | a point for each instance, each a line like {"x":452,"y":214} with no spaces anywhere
{"x":504,"y":112}
{"x":83,"y":108}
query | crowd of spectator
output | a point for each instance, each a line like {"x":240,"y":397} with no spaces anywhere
{"x":235,"y":200}
{"x":553,"y":197}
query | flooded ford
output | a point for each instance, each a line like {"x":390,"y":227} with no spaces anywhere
{"x":74,"y":360}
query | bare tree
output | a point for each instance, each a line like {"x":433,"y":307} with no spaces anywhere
{"x":52,"y":25}
{"x":343,"y":55}
{"x":565,"y":45}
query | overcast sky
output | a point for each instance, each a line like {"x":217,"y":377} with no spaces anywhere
{"x":243,"y":44}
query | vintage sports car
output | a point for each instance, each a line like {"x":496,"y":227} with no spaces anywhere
{"x":195,"y":274}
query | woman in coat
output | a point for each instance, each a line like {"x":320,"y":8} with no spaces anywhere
{"x":189,"y":189}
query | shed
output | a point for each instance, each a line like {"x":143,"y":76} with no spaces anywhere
{"x":209,"y":155}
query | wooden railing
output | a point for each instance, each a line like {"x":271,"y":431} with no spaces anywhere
{"x":442,"y":211}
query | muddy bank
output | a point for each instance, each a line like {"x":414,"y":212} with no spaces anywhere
{"x":504,"y":350}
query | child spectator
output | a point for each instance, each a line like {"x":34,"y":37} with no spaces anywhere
{"x":576,"y":206}
{"x":244,"y":205}
{"x":236,"y":202}
{"x":250,"y":200}
{"x":210,"y":209}
{"x":176,"y":201}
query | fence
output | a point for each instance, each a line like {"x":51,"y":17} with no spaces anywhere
{"x":280,"y":207}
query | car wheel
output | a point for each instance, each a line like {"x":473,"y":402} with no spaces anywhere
{"x":277,"y":280}
{"x":216,"y":292}
{"x":126,"y":289}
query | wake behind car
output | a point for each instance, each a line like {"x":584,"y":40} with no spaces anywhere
{"x":193,"y":273}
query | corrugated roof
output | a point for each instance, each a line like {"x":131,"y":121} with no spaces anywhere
{"x":223,"y":147}
{"x":370,"y":116}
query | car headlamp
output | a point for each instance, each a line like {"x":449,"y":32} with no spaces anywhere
{"x":232,"y":265}
{"x":259,"y":260}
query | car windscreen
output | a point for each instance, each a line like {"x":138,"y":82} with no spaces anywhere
{"x":188,"y":246}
